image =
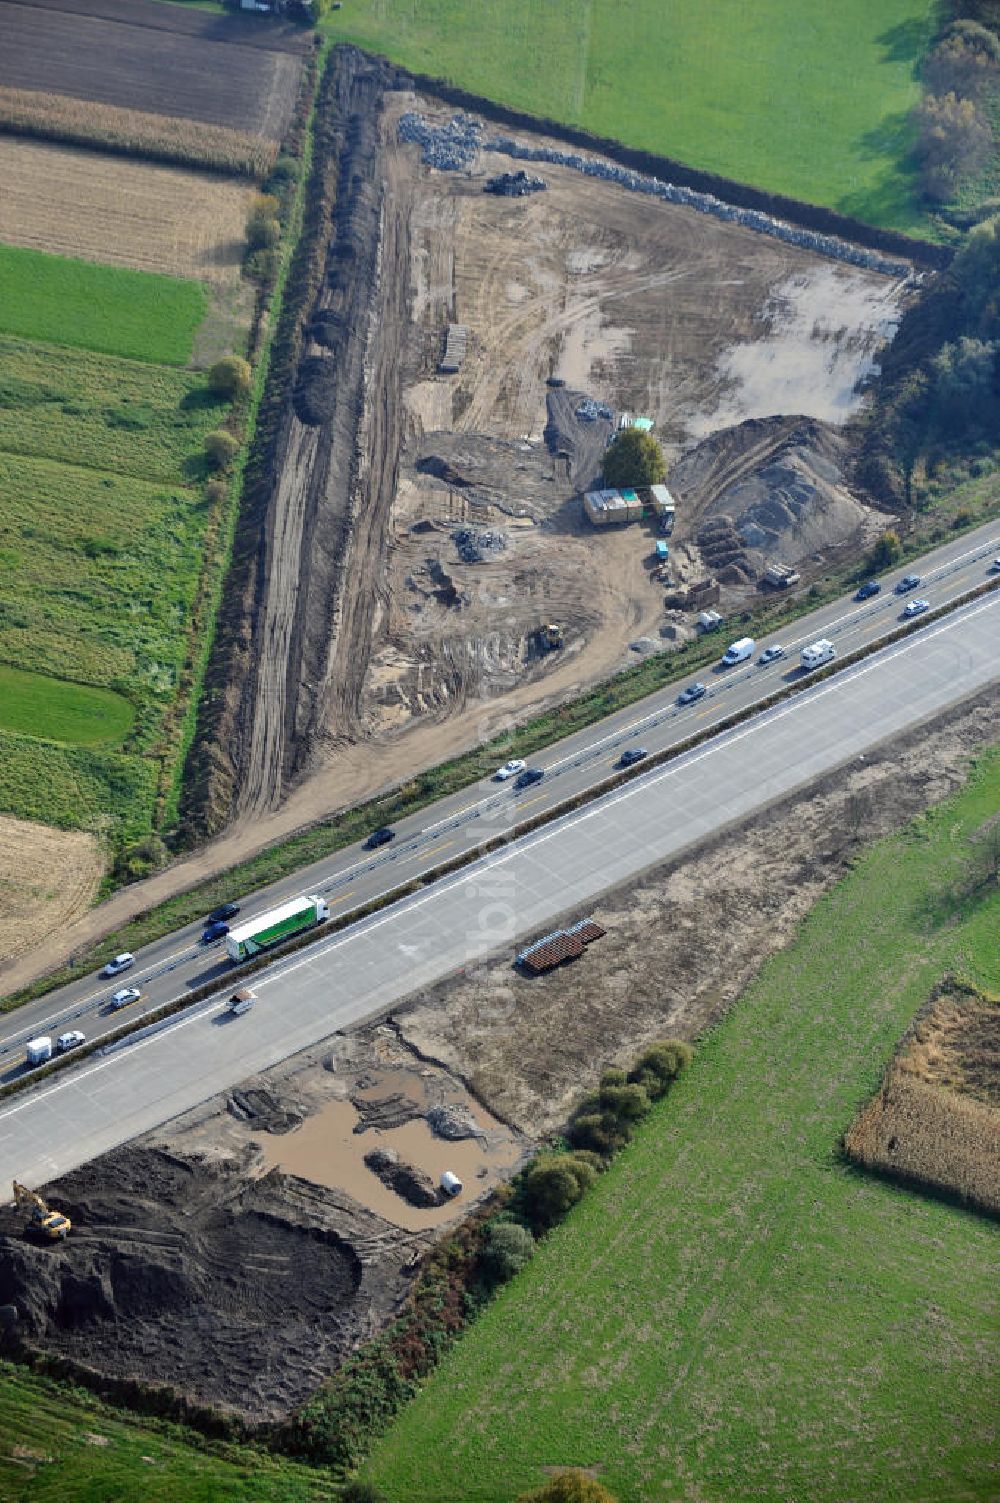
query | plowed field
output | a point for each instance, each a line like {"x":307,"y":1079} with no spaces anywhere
{"x":105,"y":208}
{"x":149,"y":68}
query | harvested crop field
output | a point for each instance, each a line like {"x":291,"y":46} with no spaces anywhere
{"x":47,"y":878}
{"x":169,"y":68}
{"x":457,"y":532}
{"x":126,"y":213}
{"x":935,"y":1119}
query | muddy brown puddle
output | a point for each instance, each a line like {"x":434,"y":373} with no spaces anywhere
{"x":327,"y":1150}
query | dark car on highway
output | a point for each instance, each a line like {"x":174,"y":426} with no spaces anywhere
{"x":215,"y":930}
{"x":868,"y":589}
{"x":633,"y":755}
{"x":223,"y":913}
{"x":908,"y":582}
{"x":691,"y":693}
{"x":379,"y":837}
{"x":528,"y":776}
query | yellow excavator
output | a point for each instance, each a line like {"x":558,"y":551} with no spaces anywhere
{"x":46,"y":1222}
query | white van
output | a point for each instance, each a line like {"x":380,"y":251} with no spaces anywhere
{"x":38,"y":1050}
{"x":818,"y":653}
{"x":739,"y":652}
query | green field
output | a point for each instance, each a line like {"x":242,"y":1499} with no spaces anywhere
{"x":62,"y":1446}
{"x":809,"y":100}
{"x":103,"y":412}
{"x":138,"y":314}
{"x":733,"y":1313}
{"x":33,"y":704}
{"x":99,"y":575}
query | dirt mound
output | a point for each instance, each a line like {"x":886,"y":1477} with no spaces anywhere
{"x":770,"y":488}
{"x":237,"y":1291}
{"x":405,"y":1180}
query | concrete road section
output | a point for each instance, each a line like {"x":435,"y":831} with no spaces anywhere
{"x":495,"y":901}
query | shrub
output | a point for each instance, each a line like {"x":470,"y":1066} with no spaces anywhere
{"x":230,"y":377}
{"x":220,"y":447}
{"x":953,"y":138}
{"x":658,"y":1065}
{"x":509,"y":1247}
{"x":886,"y":550}
{"x":140,"y":860}
{"x":261,"y":266}
{"x":215,"y":492}
{"x":358,"y":1491}
{"x":965,"y":61}
{"x":553,"y":1185}
{"x":569,"y":1487}
{"x":634,"y":458}
{"x":263,"y":234}
{"x":612,"y":1076}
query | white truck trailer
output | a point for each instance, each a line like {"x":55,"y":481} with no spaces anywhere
{"x":277,"y":924}
{"x":38,"y":1051}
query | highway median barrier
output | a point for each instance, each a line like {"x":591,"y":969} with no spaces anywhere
{"x":239,"y":973}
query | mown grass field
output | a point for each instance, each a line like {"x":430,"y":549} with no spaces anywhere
{"x":36,"y":705}
{"x":108,"y":308}
{"x":808,"y":100}
{"x":104,"y":413}
{"x":62,"y":1446}
{"x":734,"y":1312}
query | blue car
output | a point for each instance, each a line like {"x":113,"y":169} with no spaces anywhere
{"x":215,"y":930}
{"x":868,"y":589}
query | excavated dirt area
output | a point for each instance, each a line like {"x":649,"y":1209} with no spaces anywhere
{"x":413,"y":557}
{"x":238,"y":1252}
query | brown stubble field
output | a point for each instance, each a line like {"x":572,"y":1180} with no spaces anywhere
{"x":148,"y":68}
{"x":107,"y":208}
{"x":936,"y":1118}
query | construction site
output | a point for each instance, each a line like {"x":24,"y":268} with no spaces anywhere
{"x":428,"y":524}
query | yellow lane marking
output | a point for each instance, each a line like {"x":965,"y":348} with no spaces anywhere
{"x":332,"y":901}
{"x":528,"y":802}
{"x":422,"y":855}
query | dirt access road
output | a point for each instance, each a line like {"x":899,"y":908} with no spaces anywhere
{"x":240,"y":1251}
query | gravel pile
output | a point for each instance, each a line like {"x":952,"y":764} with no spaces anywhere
{"x":453,"y":147}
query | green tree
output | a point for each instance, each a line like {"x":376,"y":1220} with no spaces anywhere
{"x":357,"y":1491}
{"x":553,"y":1185}
{"x":953,"y":139}
{"x":966,"y":61}
{"x":658,"y":1065}
{"x":570,"y":1487}
{"x":219,"y":448}
{"x":509,"y":1246}
{"x":634,"y":458}
{"x":230,"y":377}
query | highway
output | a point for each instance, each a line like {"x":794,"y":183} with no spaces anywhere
{"x":179,"y":963}
{"x":516,"y":891}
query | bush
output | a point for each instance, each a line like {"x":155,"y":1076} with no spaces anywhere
{"x":953,"y":139}
{"x":230,"y":377}
{"x":553,"y":1185}
{"x":361,"y":1492}
{"x":570,"y":1487}
{"x":885,"y":552}
{"x":263,"y":234}
{"x":658,"y":1065}
{"x":634,"y":458}
{"x":220,"y":448}
{"x":216,"y":492}
{"x":262,"y":266}
{"x":509,"y":1247}
{"x":140,"y":860}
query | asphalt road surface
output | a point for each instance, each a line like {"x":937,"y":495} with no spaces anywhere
{"x":179,"y":962}
{"x":517,"y":891}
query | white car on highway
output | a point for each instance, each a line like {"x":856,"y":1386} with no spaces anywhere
{"x":509,"y":769}
{"x":71,"y":1040}
{"x":119,"y":964}
{"x":915,"y":608}
{"x":124,"y":998}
